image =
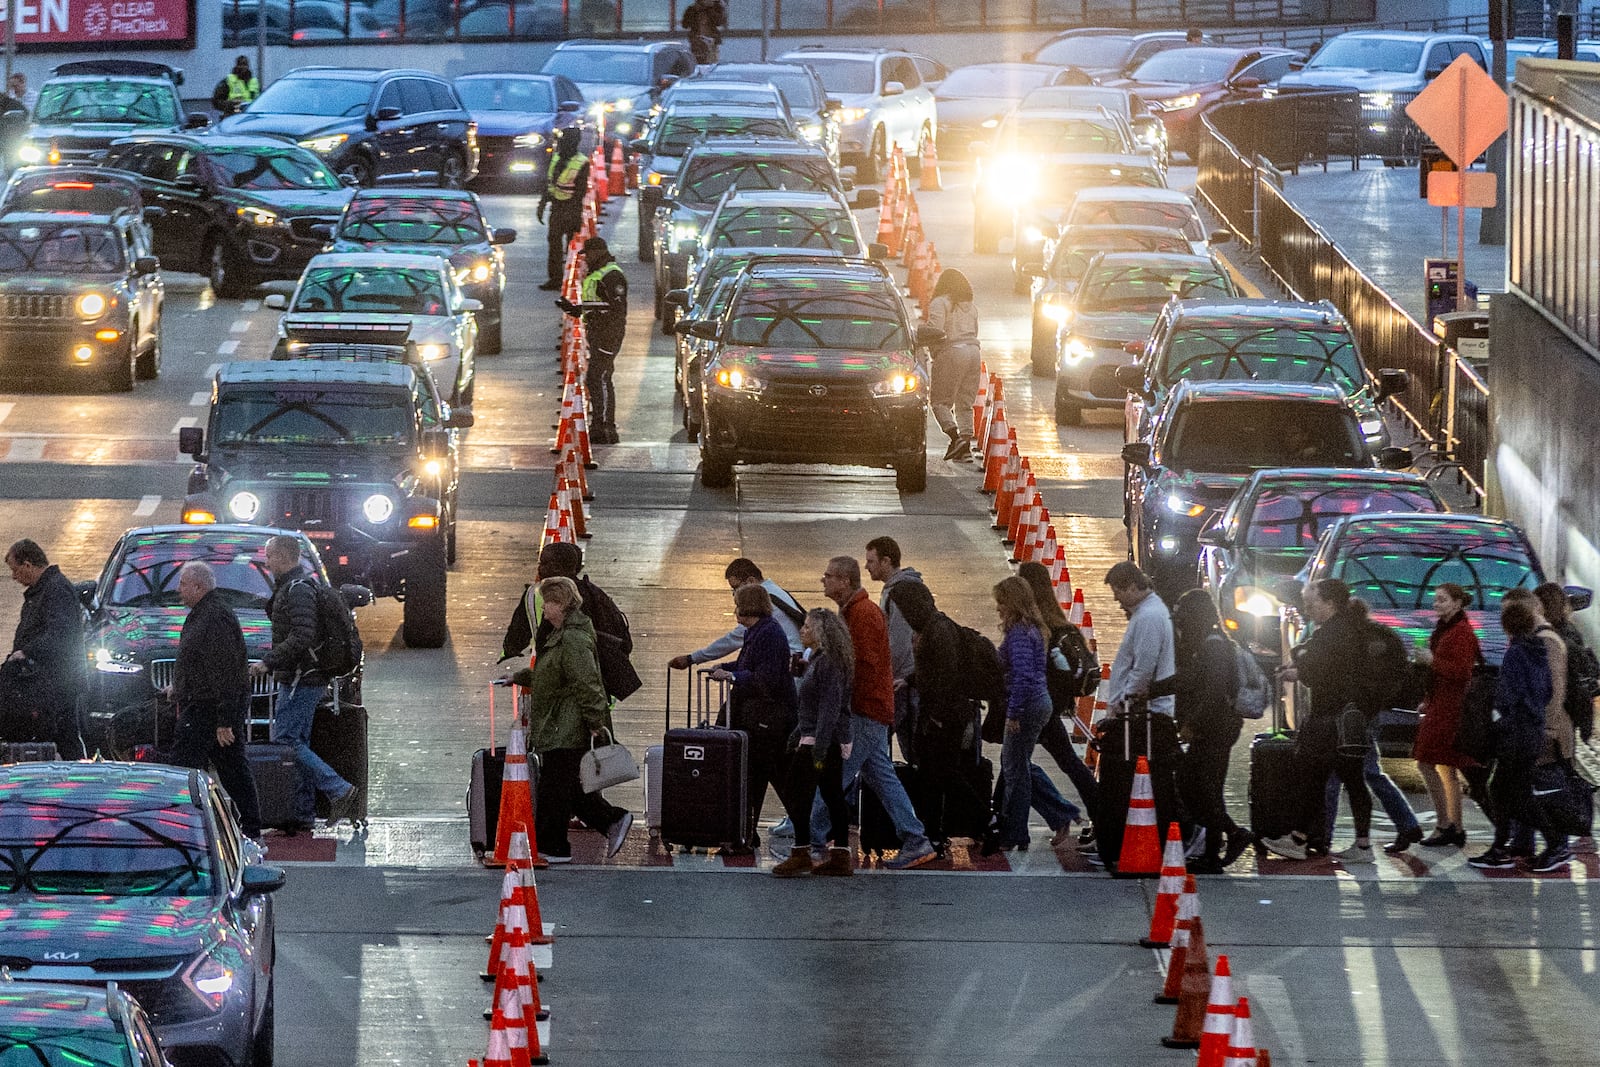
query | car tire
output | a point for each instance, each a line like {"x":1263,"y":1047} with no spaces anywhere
{"x":120,"y":376}
{"x":911,"y":473}
{"x":669,"y":318}
{"x":876,"y":163}
{"x":149,"y":365}
{"x":490,"y":336}
{"x":450,"y":538}
{"x":1042,"y":351}
{"x":359,"y":167}
{"x":1068,"y":411}
{"x":647,"y":240}
{"x":453,"y":172}
{"x":223,"y":269}
{"x":424,"y":624}
{"x":716,"y":467}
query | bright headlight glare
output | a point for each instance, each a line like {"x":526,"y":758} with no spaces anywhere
{"x":684,"y":231}
{"x":734,"y":378}
{"x":377,"y":508}
{"x":1382,"y":101}
{"x":1179,"y":506}
{"x":653,"y":178}
{"x":1253,"y":601}
{"x":429,"y":353}
{"x":1075,"y":352}
{"x":480,"y":272}
{"x":852,"y":114}
{"x":1032,"y":233}
{"x":432,"y":468}
{"x":209,"y":979}
{"x":990,"y":124}
{"x":1371,"y":426}
{"x":528,"y":140}
{"x":625,"y":104}
{"x":1169,"y":545}
{"x":325,"y":144}
{"x":91,"y":305}
{"x":1057,"y":313}
{"x":812,"y":131}
{"x":30,"y":153}
{"x":107,"y":663}
{"x":624,"y":127}
{"x":244,"y":506}
{"x":1181,"y":103}
{"x":897,"y":385}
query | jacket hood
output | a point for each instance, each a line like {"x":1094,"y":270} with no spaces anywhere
{"x":915,"y":602}
{"x":904,"y":574}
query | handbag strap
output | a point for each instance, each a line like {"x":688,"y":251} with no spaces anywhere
{"x":609,"y":739}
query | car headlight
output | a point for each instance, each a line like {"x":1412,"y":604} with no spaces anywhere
{"x":527,"y":140}
{"x":432,"y":468}
{"x":852,"y":114}
{"x":624,"y":127}
{"x":684,"y":231}
{"x":898,"y":385}
{"x":377,"y":508}
{"x":108,"y":662}
{"x":30,"y":152}
{"x":1371,"y":427}
{"x":480,"y":272}
{"x":326,"y":144}
{"x":258,"y":216}
{"x":1032,"y":234}
{"x":1057,"y":313}
{"x":1075,"y":352}
{"x":1168,"y":545}
{"x":1180,"y":506}
{"x":1180,"y":103}
{"x":91,"y":305}
{"x":244,"y":506}
{"x":812,"y":131}
{"x":429,"y":353}
{"x":625,"y":104}
{"x":1255,"y":601}
{"x":990,"y":123}
{"x":209,"y":979}
{"x":737,"y":380}
{"x":1378,"y":101}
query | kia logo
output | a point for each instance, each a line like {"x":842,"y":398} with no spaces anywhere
{"x":819,"y":390}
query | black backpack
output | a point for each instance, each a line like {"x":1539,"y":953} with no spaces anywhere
{"x":338,"y":648}
{"x":1583,"y":682}
{"x":1385,"y":669}
{"x":983,"y":675}
{"x":1083,"y":663}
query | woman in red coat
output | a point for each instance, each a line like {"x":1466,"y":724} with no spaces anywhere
{"x":1451,"y":654}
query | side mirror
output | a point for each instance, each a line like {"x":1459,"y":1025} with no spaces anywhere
{"x":152,"y":213}
{"x":569,"y":107}
{"x":893,"y":88}
{"x":865,"y":198}
{"x":682,"y":325}
{"x":1579,"y":597}
{"x":146,"y":265}
{"x":196,"y":120}
{"x":678,"y":298}
{"x":1245,"y":83}
{"x":259,"y":880}
{"x":706,"y":331}
{"x":1104,"y":384}
{"x":389,"y":114}
{"x":639,"y":144}
{"x":1136,"y":454}
{"x":502,"y":235}
{"x":929,"y":335}
{"x":1130,"y":376}
{"x":85,"y":591}
{"x":191,"y":441}
{"x":1394,"y":458}
{"x":469,"y":304}
{"x":878,"y":251}
{"x":460,"y":419}
{"x":1392,"y":381}
{"x":355,"y":596}
{"x":189,"y":183}
{"x":1219,"y":237}
{"x":1212,"y":535}
{"x":275,"y":301}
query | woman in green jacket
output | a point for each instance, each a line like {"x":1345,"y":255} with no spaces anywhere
{"x":569,"y":710}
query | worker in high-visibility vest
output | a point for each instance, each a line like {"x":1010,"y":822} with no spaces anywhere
{"x":604,"y":308}
{"x":566,"y":184}
{"x":237,"y":88}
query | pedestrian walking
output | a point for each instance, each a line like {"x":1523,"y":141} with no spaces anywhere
{"x":816,"y":773}
{"x":1451,"y":653}
{"x":786,"y":611}
{"x":301,"y":684}
{"x":568,"y":713}
{"x":1583,"y":667}
{"x":872,"y":711}
{"x":42,"y":680}
{"x":17,"y":89}
{"x":211,"y":688}
{"x":1205,"y":684}
{"x":604,"y":309}
{"x":883,"y":565}
{"x":566,"y":184}
{"x":705,"y":20}
{"x":612,"y":633}
{"x":956,"y":357}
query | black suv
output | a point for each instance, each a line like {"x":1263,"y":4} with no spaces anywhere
{"x":814,"y":363}
{"x":241,"y":210}
{"x":89,"y":104}
{"x":360,"y":456}
{"x":368,"y":124}
{"x":621,"y":80}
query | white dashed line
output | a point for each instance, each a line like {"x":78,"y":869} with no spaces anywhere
{"x":184,"y":423}
{"x":5,"y":410}
{"x":146,"y":507}
{"x":228,"y":347}
{"x":200,"y":399}
{"x":250,"y":305}
{"x":26,"y":449}
{"x":239,"y":326}
{"x":211,"y":371}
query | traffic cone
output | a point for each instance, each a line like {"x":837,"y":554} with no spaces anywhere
{"x":1263,"y":1058}
{"x":527,"y":892}
{"x":980,"y":402}
{"x":913,"y":232}
{"x":1219,"y":1017}
{"x":1009,"y":479}
{"x":632,"y":168}
{"x":1164,"y":918}
{"x":551,"y":535}
{"x":499,"y":1054}
{"x":1019,"y":504}
{"x":994,"y":451}
{"x":1141,"y":850}
{"x":580,"y":426}
{"x":1188,"y":935}
{"x":619,"y":179}
{"x":1044,"y":546}
{"x":598,"y":182}
{"x":886,"y":221}
{"x":507,"y":919}
{"x":1061,"y":578}
{"x":1188,"y":1025}
{"x":516,"y":794}
{"x":572,"y":467}
{"x":930,"y":168}
{"x":1242,"y":1043}
{"x":571,"y":507}
{"x":1075,"y":615}
{"x":564,"y":534}
{"x":1025,"y":520}
{"x":508,"y":1005}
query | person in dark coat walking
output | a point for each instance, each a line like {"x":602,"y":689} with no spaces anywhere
{"x":705,"y":20}
{"x":566,"y":184}
{"x":1205,"y":685}
{"x":603,"y":306}
{"x":46,"y":665}
{"x":211,"y":687}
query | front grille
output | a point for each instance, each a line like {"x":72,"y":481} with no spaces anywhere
{"x":300,"y":226}
{"x":161,"y":676}
{"x":490,"y":147}
{"x":837,"y":395}
{"x":313,"y":507}
{"x":34,"y":306}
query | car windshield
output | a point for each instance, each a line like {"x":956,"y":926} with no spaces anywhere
{"x":708,"y":177}
{"x":788,"y":227}
{"x":412,"y":221}
{"x":1061,"y":183}
{"x":1268,"y":352}
{"x":147,"y":573}
{"x":1147,"y":288}
{"x":506,"y":94}
{"x":382,"y":290}
{"x":1180,"y":217}
{"x":1071,"y":259}
{"x":1086,"y":51}
{"x":1292,"y":515}
{"x":1398,"y":565}
{"x":795,"y":85}
{"x":681,"y":131}
{"x":327,"y":97}
{"x":139,"y":103}
{"x":80,"y":836}
{"x":1051,"y":136}
{"x":1064,"y":97}
{"x":1004,"y":83}
{"x":846,"y":76}
{"x":1369,"y":53}
{"x":29,"y":248}
{"x":310,"y":415}
{"x":273,"y":168}
{"x":1189,"y":66}
{"x":842,"y":315}
{"x":60,"y":1046}
{"x":1243,"y":435}
{"x":600,"y":66}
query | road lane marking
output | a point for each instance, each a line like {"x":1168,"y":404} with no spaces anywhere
{"x":26,"y":449}
{"x":200,"y":399}
{"x":239,"y":326}
{"x":146,"y":507}
{"x":228,"y":347}
{"x":182,"y":424}
{"x":211,"y":371}
{"x":5,"y":410}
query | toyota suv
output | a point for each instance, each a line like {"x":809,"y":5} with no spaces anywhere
{"x":809,"y":103}
{"x":90,"y":103}
{"x":778,"y":218}
{"x":884,"y":101}
{"x":621,"y":80}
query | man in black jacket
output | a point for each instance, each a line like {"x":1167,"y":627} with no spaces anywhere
{"x":211,"y":687}
{"x":45,"y":671}
{"x":301,"y":685}
{"x":604,"y":309}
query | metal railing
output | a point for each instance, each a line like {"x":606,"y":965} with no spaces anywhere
{"x":1465,"y":411}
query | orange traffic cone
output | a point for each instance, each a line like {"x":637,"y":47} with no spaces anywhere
{"x":1219,"y":1017}
{"x":1188,"y":937}
{"x":994,"y":450}
{"x":552,"y":531}
{"x":599,"y":183}
{"x":1061,"y":578}
{"x":1242,"y":1043}
{"x":580,"y":426}
{"x":1188,"y":1027}
{"x":1141,"y":850}
{"x":1025,"y":523}
{"x":913,"y":232}
{"x":1026,"y":491}
{"x":508,"y":917}
{"x":930,"y":168}
{"x":886,"y":223}
{"x":508,"y":1007}
{"x":1009,"y":479}
{"x":1173,"y":872}
{"x":516,"y":793}
{"x":571,"y":507}
{"x":499,"y":1054}
{"x":617,"y":171}
{"x":980,"y":402}
{"x":1075,"y":615}
{"x":527,"y":895}
{"x":572,"y":468}
{"x":1263,"y":1058}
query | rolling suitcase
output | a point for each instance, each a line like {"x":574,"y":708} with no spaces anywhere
{"x":877,"y":834}
{"x":28,"y":752}
{"x":704,"y":780}
{"x":277,"y":778}
{"x":488,"y":770}
{"x":339,"y":736}
{"x":1274,"y":788}
{"x":1122,"y":738}
{"x":652,"y":788}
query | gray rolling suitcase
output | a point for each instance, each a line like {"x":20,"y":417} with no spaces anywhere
{"x":704,"y":779}
{"x":488,"y":770}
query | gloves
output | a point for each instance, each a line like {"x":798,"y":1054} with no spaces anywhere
{"x":543,"y":206}
{"x":566,"y":305}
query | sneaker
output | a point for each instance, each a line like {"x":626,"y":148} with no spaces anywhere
{"x":1356,"y":853}
{"x":1086,"y":837}
{"x":1237,"y":842}
{"x":1285,"y":847}
{"x":1093,"y":859}
{"x":555,"y":860}
{"x":913,"y":855}
{"x":1493,"y":860}
{"x":343,"y":807}
{"x":1551,"y":859}
{"x":618,"y":834}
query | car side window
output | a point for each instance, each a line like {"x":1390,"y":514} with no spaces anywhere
{"x":1267,"y":70}
{"x":414,"y":96}
{"x":1474,"y":53}
{"x":390,"y":97}
{"x":442,"y":97}
{"x":227,"y":835}
{"x":929,"y":70}
{"x":159,"y":161}
{"x":1438,"y":57}
{"x":904,"y":71}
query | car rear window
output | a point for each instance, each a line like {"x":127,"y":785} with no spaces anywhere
{"x":1260,"y":352}
{"x":380,"y":290}
{"x":43,"y":194}
{"x":46,"y":249}
{"x":788,"y":227}
{"x":1180,"y":217}
{"x":1294,"y":514}
{"x":708,"y":177}
{"x":1074,"y":253}
{"x":1061,"y":183}
{"x":506,"y":94}
{"x":838,"y":315}
{"x":412,"y":221}
{"x":1399,"y":565}
{"x":1244,"y":435}
{"x":1148,"y":288}
{"x":681,"y":131}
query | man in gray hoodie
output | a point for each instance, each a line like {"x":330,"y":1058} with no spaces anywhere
{"x":883,"y":565}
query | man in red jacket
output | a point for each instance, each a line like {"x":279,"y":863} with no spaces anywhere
{"x":872,"y":707}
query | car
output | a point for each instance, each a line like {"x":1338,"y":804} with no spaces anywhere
{"x":974,"y":100}
{"x":345,"y":291}
{"x":1065,"y":257}
{"x":709,"y":170}
{"x":809,"y":103}
{"x":81,"y":296}
{"x":1271,"y":527}
{"x":1201,"y":445}
{"x":1185,"y":83}
{"x":1259,"y":340}
{"x":369,"y":125}
{"x":621,"y":80}
{"x":1120,"y":205}
{"x":1119,"y":299}
{"x":135,"y":615}
{"x":517,"y":117}
{"x":363,"y":457}
{"x":884,"y":101}
{"x":96,"y":190}
{"x":241,"y":210}
{"x":286,"y":22}
{"x":435,"y":222}
{"x":1585,"y":51}
{"x":1148,"y":129}
{"x":88,"y":104}
{"x":699,"y":90}
{"x":660,"y":152}
{"x":1108,"y":53}
{"x":814,"y":363}
{"x":51,"y":1023}
{"x":778,"y":218}
{"x":137,"y":874}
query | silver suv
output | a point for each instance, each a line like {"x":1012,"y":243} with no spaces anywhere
{"x":886,"y":98}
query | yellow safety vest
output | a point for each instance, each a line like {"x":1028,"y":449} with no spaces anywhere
{"x":241,"y":91}
{"x":591,"y":282}
{"x":563,"y":183}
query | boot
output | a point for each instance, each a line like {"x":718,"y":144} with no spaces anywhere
{"x":956,"y":446}
{"x":837,"y":865}
{"x":798,"y":863}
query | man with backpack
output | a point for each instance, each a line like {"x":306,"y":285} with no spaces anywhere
{"x":883,"y":565}
{"x":297,"y":634}
{"x":612,"y":634}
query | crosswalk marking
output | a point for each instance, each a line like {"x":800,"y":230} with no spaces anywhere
{"x":146,"y":507}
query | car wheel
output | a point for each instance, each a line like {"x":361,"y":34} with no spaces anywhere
{"x":489,"y":336}
{"x":360,"y":168}
{"x":876,"y":164}
{"x":423,"y":624}
{"x":716,"y":466}
{"x":1068,"y":411}
{"x":911,"y":473}
{"x":453,"y":175}
{"x":450,"y":538}
{"x":1042,"y":351}
{"x":224,"y":270}
{"x":669,"y":318}
{"x":660,"y":299}
{"x":465,"y":392}
{"x":914,"y":163}
{"x":149,"y":366}
{"x":261,"y":1046}
{"x":119,"y":375}
{"x":647,"y":240}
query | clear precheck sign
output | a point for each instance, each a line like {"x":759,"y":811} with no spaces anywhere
{"x":1462,"y":109}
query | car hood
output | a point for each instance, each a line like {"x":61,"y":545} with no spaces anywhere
{"x":971,"y":110}
{"x":511,"y":123}
{"x":329,"y":202}
{"x":37,"y":283}
{"x":1259,"y":566}
{"x":299,"y":126}
{"x":109,"y":929}
{"x":834,"y":364}
{"x":437,"y":328}
{"x":136,"y":630}
{"x":604,"y":92}
{"x":1368,"y":81}
{"x":1117,"y":326}
{"x":457,"y":254}
{"x":1210,"y":489}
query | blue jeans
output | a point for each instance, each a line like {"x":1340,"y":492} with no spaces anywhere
{"x":1394,"y":802}
{"x":869,"y":758}
{"x":1022,"y":778}
{"x":291,"y":725}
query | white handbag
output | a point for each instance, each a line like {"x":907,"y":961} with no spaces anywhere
{"x":606,"y":765}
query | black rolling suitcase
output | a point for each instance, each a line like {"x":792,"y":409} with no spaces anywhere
{"x":488,"y":771}
{"x":339,"y":736}
{"x":877,"y":829}
{"x":1274,"y":788}
{"x":1122,"y":738}
{"x":277,"y":778}
{"x":704,"y":780}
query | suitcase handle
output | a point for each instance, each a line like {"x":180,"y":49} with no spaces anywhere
{"x":517,"y":694}
{"x":704,"y":695}
{"x":688,"y":697}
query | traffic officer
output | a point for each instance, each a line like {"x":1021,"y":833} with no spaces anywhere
{"x":237,"y":88}
{"x":566,"y":184}
{"x":604,"y":309}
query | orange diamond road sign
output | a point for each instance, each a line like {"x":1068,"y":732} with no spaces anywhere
{"x":1462,"y":109}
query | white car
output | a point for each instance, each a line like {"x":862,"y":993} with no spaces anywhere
{"x":351,"y":291}
{"x":885,"y":99}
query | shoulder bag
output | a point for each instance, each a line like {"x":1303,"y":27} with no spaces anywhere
{"x":606,"y":765}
